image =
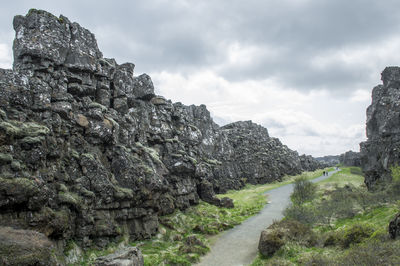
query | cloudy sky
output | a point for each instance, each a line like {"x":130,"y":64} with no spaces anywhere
{"x":304,"y":69}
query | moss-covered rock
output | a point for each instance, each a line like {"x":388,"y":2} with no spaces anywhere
{"x":25,"y":247}
{"x":17,"y":191}
{"x":5,"y":158}
{"x":24,"y":129}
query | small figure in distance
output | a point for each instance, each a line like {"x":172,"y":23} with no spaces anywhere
{"x":323,"y":173}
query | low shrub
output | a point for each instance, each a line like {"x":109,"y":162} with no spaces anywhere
{"x":372,"y":253}
{"x":295,"y":231}
{"x":301,"y":213}
{"x":355,"y":234}
{"x":303,"y":191}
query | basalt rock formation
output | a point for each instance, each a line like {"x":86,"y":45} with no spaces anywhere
{"x":350,"y":158}
{"x":381,"y":150}
{"x":89,"y":152}
{"x":329,"y":160}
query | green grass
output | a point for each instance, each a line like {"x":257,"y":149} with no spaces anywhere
{"x":344,"y":177}
{"x":378,"y":217}
{"x":250,"y":190}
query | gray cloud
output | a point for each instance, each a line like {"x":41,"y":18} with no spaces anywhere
{"x":182,"y":36}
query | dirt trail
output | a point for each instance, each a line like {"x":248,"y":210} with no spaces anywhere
{"x":239,"y":246}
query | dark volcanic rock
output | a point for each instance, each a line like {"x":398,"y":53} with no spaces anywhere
{"x":329,"y":160}
{"x":350,"y":158}
{"x":394,"y":227}
{"x":270,"y":242}
{"x":381,"y":150}
{"x":88,"y":152}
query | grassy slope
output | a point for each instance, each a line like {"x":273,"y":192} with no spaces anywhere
{"x":376,"y":218}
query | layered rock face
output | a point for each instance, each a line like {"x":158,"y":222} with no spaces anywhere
{"x":381,"y":150}
{"x":350,"y":158}
{"x":89,"y":152}
{"x":329,"y":160}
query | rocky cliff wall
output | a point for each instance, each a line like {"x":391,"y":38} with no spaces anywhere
{"x":350,"y":158}
{"x":89,"y":152}
{"x":381,"y":150}
{"x":329,"y":160}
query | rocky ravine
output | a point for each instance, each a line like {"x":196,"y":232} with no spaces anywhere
{"x":381,"y":150}
{"x":88,"y":151}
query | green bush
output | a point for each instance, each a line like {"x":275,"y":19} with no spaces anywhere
{"x":355,"y":234}
{"x":304,"y":190}
{"x":295,"y":231}
{"x":372,"y":253}
{"x":301,"y":213}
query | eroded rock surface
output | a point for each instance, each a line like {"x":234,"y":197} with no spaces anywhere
{"x":89,"y":152}
{"x":350,"y":158}
{"x":381,"y":150}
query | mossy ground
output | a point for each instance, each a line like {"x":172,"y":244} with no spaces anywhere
{"x":348,"y":239}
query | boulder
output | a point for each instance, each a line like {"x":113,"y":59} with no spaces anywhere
{"x":394,"y":227}
{"x":130,"y":256}
{"x":270,"y":242}
{"x":25,"y":247}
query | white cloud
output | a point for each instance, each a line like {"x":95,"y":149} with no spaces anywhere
{"x":5,"y":56}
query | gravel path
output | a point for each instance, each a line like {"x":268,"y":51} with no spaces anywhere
{"x":239,"y":246}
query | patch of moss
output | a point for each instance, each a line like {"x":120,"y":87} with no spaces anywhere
{"x":75,"y":154}
{"x":98,"y":105}
{"x":212,"y":161}
{"x":32,"y":140}
{"x":3,"y":114}
{"x":70,"y":198}
{"x":5,"y":158}
{"x":19,"y":186}
{"x":88,"y":156}
{"x":150,"y":151}
{"x":123,"y":193}
{"x":16,"y":165}
{"x":192,"y":160}
{"x":24,"y":129}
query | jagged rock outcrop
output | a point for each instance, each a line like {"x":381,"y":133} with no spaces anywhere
{"x":350,"y":158}
{"x":88,"y":151}
{"x":381,"y":150}
{"x":329,"y":160}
